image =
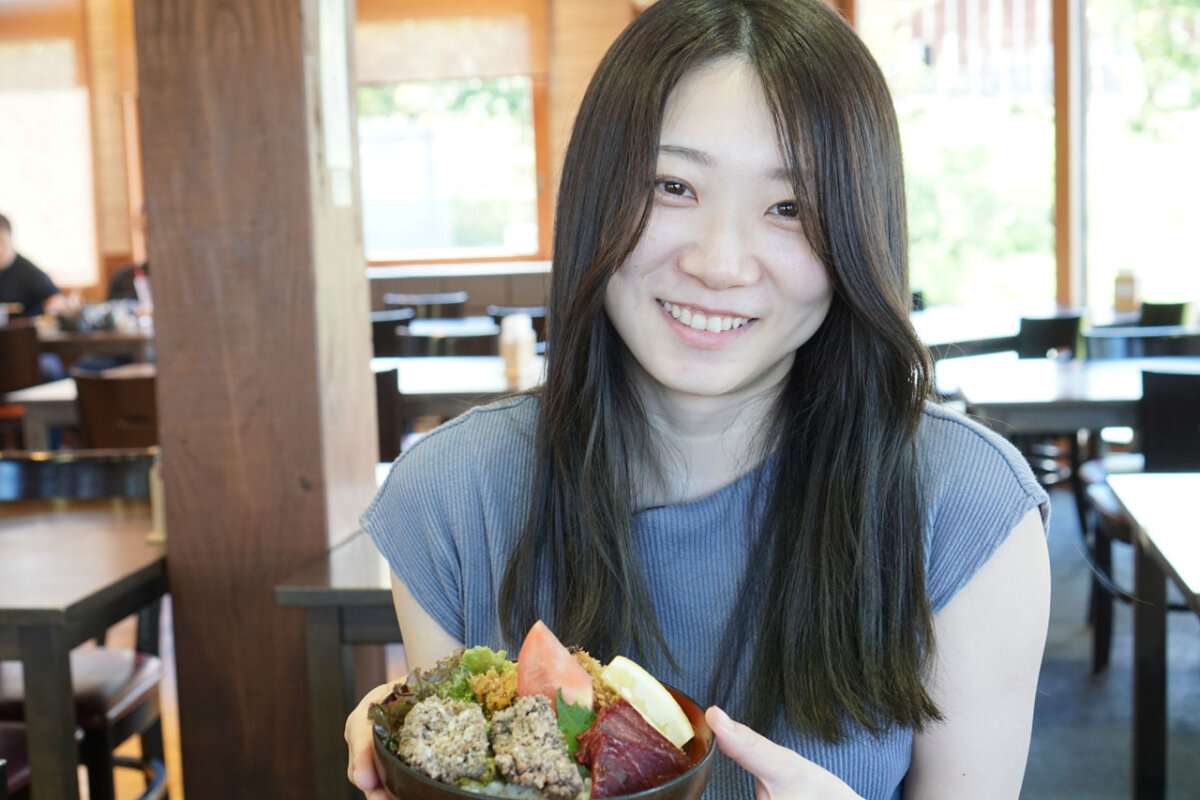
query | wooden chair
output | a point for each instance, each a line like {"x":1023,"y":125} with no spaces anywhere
{"x":18,"y":370}
{"x":383,"y":330}
{"x":430,"y":305}
{"x":117,"y":410}
{"x":15,"y":774}
{"x":413,"y":345}
{"x":1169,"y":424}
{"x":116,"y":690}
{"x":1157,"y":315}
{"x":387,"y":409}
{"x":1038,"y":336}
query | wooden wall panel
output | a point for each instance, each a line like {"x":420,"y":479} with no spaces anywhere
{"x":581,"y":31}
{"x":261,"y":314}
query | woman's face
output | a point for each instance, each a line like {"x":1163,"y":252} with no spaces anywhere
{"x":723,"y":287}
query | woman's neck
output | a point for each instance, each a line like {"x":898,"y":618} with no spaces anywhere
{"x":706,"y":441}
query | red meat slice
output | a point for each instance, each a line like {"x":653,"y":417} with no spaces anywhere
{"x":626,"y":754}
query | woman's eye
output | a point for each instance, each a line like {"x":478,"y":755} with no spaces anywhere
{"x":786,"y":209}
{"x":676,"y":188}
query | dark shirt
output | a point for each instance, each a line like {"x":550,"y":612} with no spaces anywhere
{"x":22,"y":282}
{"x":121,"y":286}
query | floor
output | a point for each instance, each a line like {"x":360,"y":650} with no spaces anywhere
{"x":1081,"y":728}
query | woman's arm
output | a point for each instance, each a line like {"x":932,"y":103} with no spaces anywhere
{"x":990,"y":639}
{"x":425,"y":642}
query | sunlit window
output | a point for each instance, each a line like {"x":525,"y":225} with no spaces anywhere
{"x":973,"y":85}
{"x":447,"y":138}
{"x":1143,"y":147}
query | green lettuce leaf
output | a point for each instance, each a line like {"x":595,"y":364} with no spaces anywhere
{"x":572,"y":721}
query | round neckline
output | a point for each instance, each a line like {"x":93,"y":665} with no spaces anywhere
{"x":713,"y":496}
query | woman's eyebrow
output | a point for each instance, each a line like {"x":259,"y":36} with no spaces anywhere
{"x":705,"y":160}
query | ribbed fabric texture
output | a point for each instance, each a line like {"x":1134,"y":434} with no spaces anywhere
{"x":453,"y":507}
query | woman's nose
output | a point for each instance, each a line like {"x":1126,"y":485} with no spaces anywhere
{"x":719,"y":258}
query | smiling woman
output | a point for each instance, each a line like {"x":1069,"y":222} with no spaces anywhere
{"x":734,"y":471}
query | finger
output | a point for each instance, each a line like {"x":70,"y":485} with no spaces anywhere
{"x":361,"y":769}
{"x":756,"y":754}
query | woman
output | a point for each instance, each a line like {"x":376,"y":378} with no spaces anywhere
{"x":733,"y":471}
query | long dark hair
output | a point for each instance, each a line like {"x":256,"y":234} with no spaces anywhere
{"x":838,"y":627}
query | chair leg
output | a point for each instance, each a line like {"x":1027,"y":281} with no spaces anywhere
{"x":1102,"y":605}
{"x":152,"y":742}
{"x":96,"y":753}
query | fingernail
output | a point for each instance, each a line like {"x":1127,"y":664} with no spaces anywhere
{"x":722,"y":717}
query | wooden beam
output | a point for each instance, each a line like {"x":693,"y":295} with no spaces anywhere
{"x":1069,"y":152}
{"x":266,"y":405}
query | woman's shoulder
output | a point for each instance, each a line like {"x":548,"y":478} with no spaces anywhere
{"x":958,"y":452}
{"x":977,"y":486}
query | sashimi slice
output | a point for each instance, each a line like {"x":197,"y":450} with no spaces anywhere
{"x":544,"y":666}
{"x":626,"y":753}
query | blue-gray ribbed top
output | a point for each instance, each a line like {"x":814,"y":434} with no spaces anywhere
{"x":453,"y":506}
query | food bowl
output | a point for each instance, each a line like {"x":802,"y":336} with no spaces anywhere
{"x":408,"y":784}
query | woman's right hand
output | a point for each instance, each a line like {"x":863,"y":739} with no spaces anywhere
{"x":362,"y":769}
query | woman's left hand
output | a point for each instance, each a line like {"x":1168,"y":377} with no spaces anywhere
{"x":779,"y":773}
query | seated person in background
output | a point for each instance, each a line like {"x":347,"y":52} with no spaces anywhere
{"x":123,"y":283}
{"x":21,"y":281}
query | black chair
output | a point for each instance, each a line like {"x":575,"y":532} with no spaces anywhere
{"x":431,"y":305}
{"x":1169,"y":424}
{"x":383,"y":330}
{"x":387,"y":410}
{"x":15,"y":774}
{"x":414,"y":345}
{"x":1157,"y":315}
{"x":116,"y":690}
{"x":536,"y":313}
{"x":1142,"y":342}
{"x":1038,"y":336}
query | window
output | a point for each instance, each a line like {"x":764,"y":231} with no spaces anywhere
{"x":972,"y":81}
{"x":450,"y":150}
{"x":1143,"y":130}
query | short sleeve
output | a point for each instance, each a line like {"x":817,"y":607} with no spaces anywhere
{"x":42,"y":287}
{"x":981,"y":488}
{"x":411,"y":523}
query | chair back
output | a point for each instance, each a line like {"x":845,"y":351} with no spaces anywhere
{"x":383,"y":330}
{"x":1170,"y":421}
{"x":1157,"y":315}
{"x":429,"y":305}
{"x":18,"y":356}
{"x":117,"y":410}
{"x":1038,"y":336}
{"x":387,"y":410}
{"x":75,"y":474}
{"x":1139,"y":342}
{"x":536,"y":313}
{"x":415,"y":345}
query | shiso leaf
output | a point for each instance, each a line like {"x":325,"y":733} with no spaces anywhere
{"x":572,"y":721}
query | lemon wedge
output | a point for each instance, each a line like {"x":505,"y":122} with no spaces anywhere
{"x":650,"y":698}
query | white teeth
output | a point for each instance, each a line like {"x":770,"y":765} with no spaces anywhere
{"x":700,"y":321}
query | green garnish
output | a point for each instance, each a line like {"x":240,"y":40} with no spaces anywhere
{"x":480,"y":659}
{"x":572,"y":721}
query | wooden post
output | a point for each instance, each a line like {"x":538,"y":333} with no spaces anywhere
{"x":266,"y":403}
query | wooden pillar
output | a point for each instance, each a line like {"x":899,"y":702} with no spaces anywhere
{"x":265,"y":394}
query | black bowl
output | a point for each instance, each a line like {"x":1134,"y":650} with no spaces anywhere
{"x":405,"y":782}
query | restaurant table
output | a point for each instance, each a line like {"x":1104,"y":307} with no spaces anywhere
{"x":1039,"y":395}
{"x":955,"y":331}
{"x":70,"y":346}
{"x":1167,"y":538}
{"x":347,"y":600}
{"x":448,"y":385}
{"x":50,"y":404}
{"x":66,"y":575}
